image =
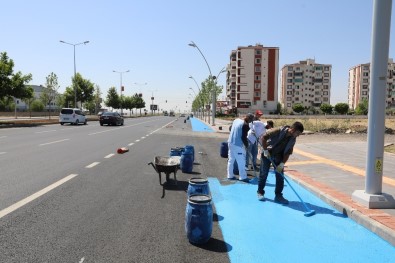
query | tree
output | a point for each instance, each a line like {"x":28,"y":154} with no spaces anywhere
{"x":341,"y":108}
{"x":29,"y":99}
{"x":84,"y":90}
{"x":362,"y":107}
{"x":140,"y":103}
{"x":12,"y":84}
{"x":49,"y":92}
{"x":37,"y":105}
{"x":112,"y":99}
{"x":326,"y":108}
{"x":97,"y":98}
{"x":298,"y":108}
{"x":279,"y":108}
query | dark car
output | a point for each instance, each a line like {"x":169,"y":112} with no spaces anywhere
{"x":111,"y":118}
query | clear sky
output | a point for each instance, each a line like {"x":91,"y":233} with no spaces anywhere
{"x":150,"y":38}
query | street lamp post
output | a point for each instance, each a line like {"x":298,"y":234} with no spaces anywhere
{"x":75,"y":72}
{"x":120,"y":74}
{"x":200,"y":93}
{"x":212,"y":80}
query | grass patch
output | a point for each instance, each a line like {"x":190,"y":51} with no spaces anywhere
{"x":390,"y":148}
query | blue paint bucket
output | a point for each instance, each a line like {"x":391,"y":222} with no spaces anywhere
{"x":224,"y":150}
{"x":186,"y":162}
{"x":176,"y":151}
{"x":198,"y":185}
{"x":189,"y":148}
{"x":199,"y":219}
{"x":235,"y":168}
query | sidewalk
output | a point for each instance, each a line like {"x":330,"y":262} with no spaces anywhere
{"x":332,"y":173}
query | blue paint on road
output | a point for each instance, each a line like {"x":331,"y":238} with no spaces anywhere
{"x":199,"y":126}
{"x":257,"y":231}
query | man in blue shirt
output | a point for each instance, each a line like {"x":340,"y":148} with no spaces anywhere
{"x":237,"y":144}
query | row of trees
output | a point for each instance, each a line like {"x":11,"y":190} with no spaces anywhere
{"x":14,"y":85}
{"x":339,"y":108}
{"x":204,"y":97}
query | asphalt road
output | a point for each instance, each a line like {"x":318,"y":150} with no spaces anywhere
{"x":67,"y":196}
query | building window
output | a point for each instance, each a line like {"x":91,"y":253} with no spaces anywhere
{"x":289,"y":92}
{"x":289,"y":98}
{"x":365,"y":74}
{"x":297,"y":68}
{"x":326,"y":86}
{"x":257,"y":69}
{"x":290,"y":68}
{"x":365,"y":80}
{"x":257,"y":61}
{"x":289,"y":80}
{"x":316,"y":99}
{"x":326,"y":74}
{"x":257,"y":85}
{"x":257,"y":52}
{"x":297,"y":99}
{"x":257,"y":77}
{"x":289,"y":74}
{"x":264,"y":103}
{"x":364,"y":86}
{"x":326,"y":68}
{"x":365,"y":67}
{"x":288,"y":104}
{"x":364,"y":93}
{"x":289,"y":86}
{"x":325,"y":99}
{"x":325,"y":93}
{"x":296,"y":92}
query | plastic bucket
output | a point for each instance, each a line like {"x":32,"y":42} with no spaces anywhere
{"x":176,"y":151}
{"x":199,"y":219}
{"x":186,"y":162}
{"x":189,"y":148}
{"x":198,"y":185}
{"x":224,"y":150}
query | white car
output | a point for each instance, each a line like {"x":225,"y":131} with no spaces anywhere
{"x":72,"y":116}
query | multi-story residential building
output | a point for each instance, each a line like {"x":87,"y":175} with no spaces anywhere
{"x":307,"y":83}
{"x":252,"y":79}
{"x":359,"y":83}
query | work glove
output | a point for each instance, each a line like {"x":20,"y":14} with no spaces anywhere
{"x":280,"y":168}
{"x":266,"y":154}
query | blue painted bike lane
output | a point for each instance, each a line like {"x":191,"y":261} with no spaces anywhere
{"x":265,"y":231}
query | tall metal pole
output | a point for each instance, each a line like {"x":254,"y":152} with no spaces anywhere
{"x":121,"y":87}
{"x":200,"y":93}
{"x":75,"y":68}
{"x":373,"y":197}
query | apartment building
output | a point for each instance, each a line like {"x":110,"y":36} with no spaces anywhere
{"x":359,"y":82}
{"x":307,"y":83}
{"x":252,"y":79}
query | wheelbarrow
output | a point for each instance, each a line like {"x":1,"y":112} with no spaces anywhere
{"x":167,"y":165}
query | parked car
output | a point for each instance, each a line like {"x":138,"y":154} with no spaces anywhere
{"x":111,"y":118}
{"x":72,"y":116}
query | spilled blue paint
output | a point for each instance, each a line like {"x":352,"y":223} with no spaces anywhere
{"x":257,"y":231}
{"x":199,"y":126}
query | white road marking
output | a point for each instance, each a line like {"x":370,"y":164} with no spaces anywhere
{"x":130,"y":144}
{"x":110,"y":155}
{"x":1,"y":137}
{"x":137,"y":140}
{"x":82,"y":260}
{"x":122,"y":127}
{"x":34,"y":196}
{"x":53,"y":142}
{"x":92,"y":165}
{"x":143,"y":137}
{"x":46,"y":131}
{"x":3,"y":152}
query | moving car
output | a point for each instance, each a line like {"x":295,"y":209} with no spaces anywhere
{"x":111,"y":118}
{"x":72,"y":116}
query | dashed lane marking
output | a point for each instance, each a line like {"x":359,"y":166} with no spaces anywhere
{"x":130,"y":144}
{"x":92,"y":165}
{"x":53,"y":142}
{"x":109,"y":156}
{"x":47,"y":131}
